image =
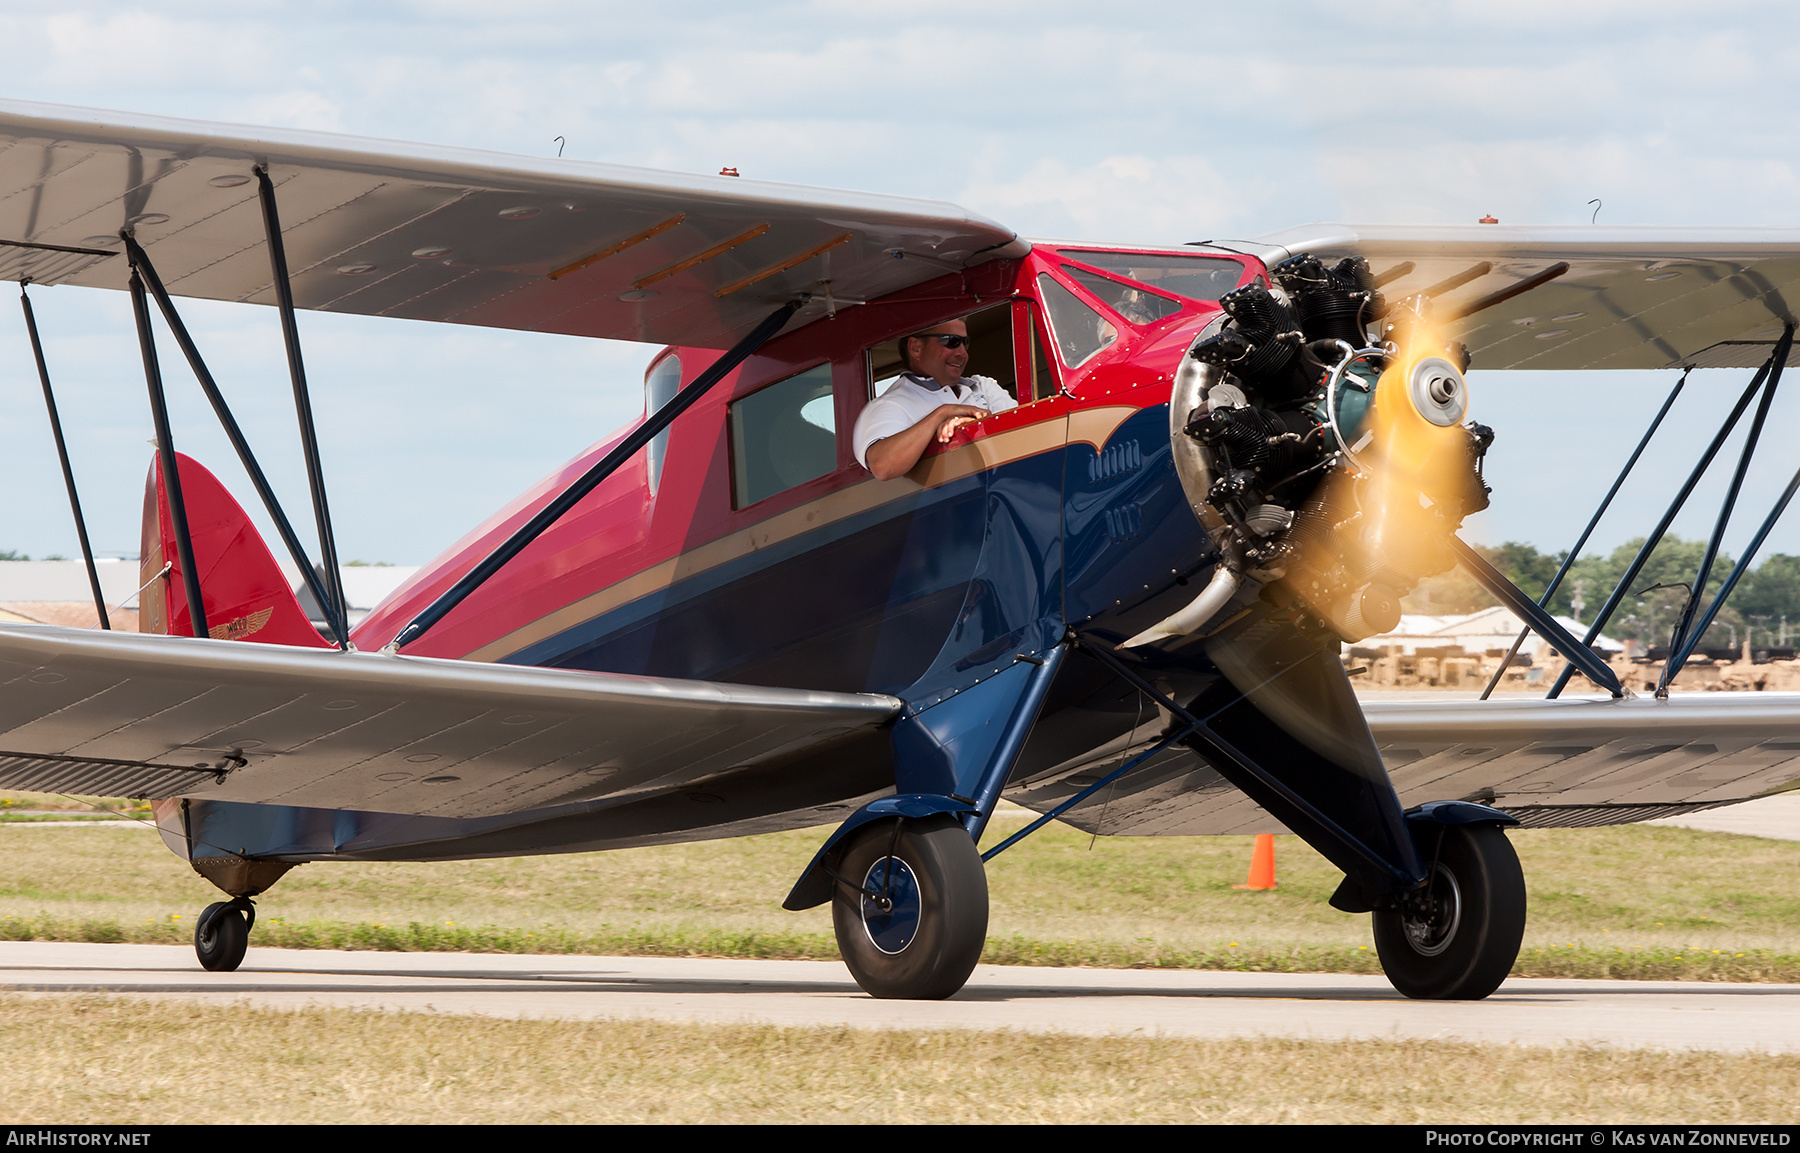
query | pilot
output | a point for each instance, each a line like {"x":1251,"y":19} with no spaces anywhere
{"x":930,"y":401}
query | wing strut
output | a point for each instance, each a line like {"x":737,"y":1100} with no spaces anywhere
{"x":165,"y":449}
{"x":1494,"y":581}
{"x":1346,"y":850}
{"x":1686,"y":637}
{"x":1643,"y":557}
{"x":1681,"y":641}
{"x":140,"y":260}
{"x":309,"y":438}
{"x":1574,"y":552}
{"x":1743,"y":564}
{"x":62,"y":454}
{"x":607,"y":465}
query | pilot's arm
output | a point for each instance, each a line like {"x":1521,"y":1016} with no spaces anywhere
{"x":895,"y":455}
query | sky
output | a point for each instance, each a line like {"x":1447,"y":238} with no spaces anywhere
{"x":1150,"y":122}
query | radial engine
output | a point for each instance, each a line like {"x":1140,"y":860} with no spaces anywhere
{"x":1319,"y":434}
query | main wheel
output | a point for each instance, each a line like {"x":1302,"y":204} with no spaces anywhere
{"x":916,"y":928}
{"x":221,"y":937}
{"x":1457,"y":938}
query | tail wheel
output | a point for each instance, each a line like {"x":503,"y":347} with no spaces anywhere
{"x":1457,"y":938}
{"x":221,"y":936}
{"x":911,"y":908}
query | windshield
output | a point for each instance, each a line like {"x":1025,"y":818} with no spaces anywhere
{"x":1195,"y":277}
{"x":1135,"y":304}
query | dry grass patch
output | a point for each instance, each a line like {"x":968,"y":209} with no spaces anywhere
{"x":112,"y":1060}
{"x":1633,"y":901}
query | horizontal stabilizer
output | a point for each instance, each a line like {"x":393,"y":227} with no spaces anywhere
{"x":106,"y":714}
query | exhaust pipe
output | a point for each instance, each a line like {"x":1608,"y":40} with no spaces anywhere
{"x":1215,"y":596}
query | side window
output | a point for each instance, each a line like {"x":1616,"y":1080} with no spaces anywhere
{"x":782,"y":435}
{"x":660,"y":386}
{"x":990,"y":353}
{"x":884,"y":367}
{"x":1043,"y":372}
{"x":1078,"y":330}
{"x":1037,"y":372}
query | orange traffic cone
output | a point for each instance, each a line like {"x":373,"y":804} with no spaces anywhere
{"x":1262,"y":864}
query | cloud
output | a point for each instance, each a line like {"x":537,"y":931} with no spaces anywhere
{"x":1162,"y":122}
{"x":1130,"y":198}
{"x":299,"y":108}
{"x":137,"y":48}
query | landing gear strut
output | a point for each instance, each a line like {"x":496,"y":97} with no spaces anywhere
{"x":223,"y":933}
{"x":911,"y":907}
{"x":1457,"y":937}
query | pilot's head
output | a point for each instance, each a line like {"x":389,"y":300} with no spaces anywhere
{"x":928,"y":353}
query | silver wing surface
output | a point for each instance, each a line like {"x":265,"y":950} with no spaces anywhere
{"x":385,"y":229}
{"x":1551,"y":763}
{"x":122,"y":714}
{"x":1621,"y":297}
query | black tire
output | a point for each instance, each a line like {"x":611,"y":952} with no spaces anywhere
{"x":221,"y":937}
{"x":1459,"y":940}
{"x":925,"y":946}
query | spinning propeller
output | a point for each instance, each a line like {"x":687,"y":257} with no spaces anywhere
{"x":1332,"y":468}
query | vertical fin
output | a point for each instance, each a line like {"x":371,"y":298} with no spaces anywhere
{"x":246,"y":596}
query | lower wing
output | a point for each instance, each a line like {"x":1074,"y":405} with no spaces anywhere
{"x":1551,"y":763}
{"x":122,"y":714}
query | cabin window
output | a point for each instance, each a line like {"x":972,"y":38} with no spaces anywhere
{"x":990,"y":353}
{"x":660,"y":385}
{"x":1079,"y":331}
{"x":1136,"y":304}
{"x":783,"y":435}
{"x":1043,"y":372}
{"x":1195,"y":277}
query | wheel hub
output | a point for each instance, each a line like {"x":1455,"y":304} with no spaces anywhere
{"x":890,"y":905}
{"x":1433,"y":916}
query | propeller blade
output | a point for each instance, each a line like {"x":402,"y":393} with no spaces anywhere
{"x":1300,"y":685}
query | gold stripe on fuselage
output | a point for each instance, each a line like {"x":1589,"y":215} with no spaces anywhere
{"x":854,"y":500}
{"x":1095,"y":426}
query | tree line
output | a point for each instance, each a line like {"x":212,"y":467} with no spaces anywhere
{"x":1765,"y":605}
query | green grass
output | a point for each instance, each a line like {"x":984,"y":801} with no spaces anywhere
{"x":56,"y":807}
{"x":1633,"y":901}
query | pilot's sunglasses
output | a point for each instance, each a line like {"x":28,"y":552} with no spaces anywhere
{"x":947,"y":339}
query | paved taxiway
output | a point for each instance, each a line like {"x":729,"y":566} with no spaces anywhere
{"x":1670,"y":1015}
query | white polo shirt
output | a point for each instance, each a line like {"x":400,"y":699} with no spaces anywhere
{"x":912,"y":398}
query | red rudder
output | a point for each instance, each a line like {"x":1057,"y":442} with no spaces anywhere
{"x":245,"y":595}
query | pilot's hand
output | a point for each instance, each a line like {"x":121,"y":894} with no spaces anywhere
{"x":954,"y":416}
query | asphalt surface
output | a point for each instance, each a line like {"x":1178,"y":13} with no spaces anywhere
{"x":1735,"y":1018}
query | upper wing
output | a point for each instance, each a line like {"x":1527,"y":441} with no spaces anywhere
{"x":385,"y":229}
{"x":1629,"y":297}
{"x":1551,"y":763}
{"x":114,"y":714}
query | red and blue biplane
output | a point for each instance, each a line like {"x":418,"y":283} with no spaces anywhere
{"x":1120,"y":604}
